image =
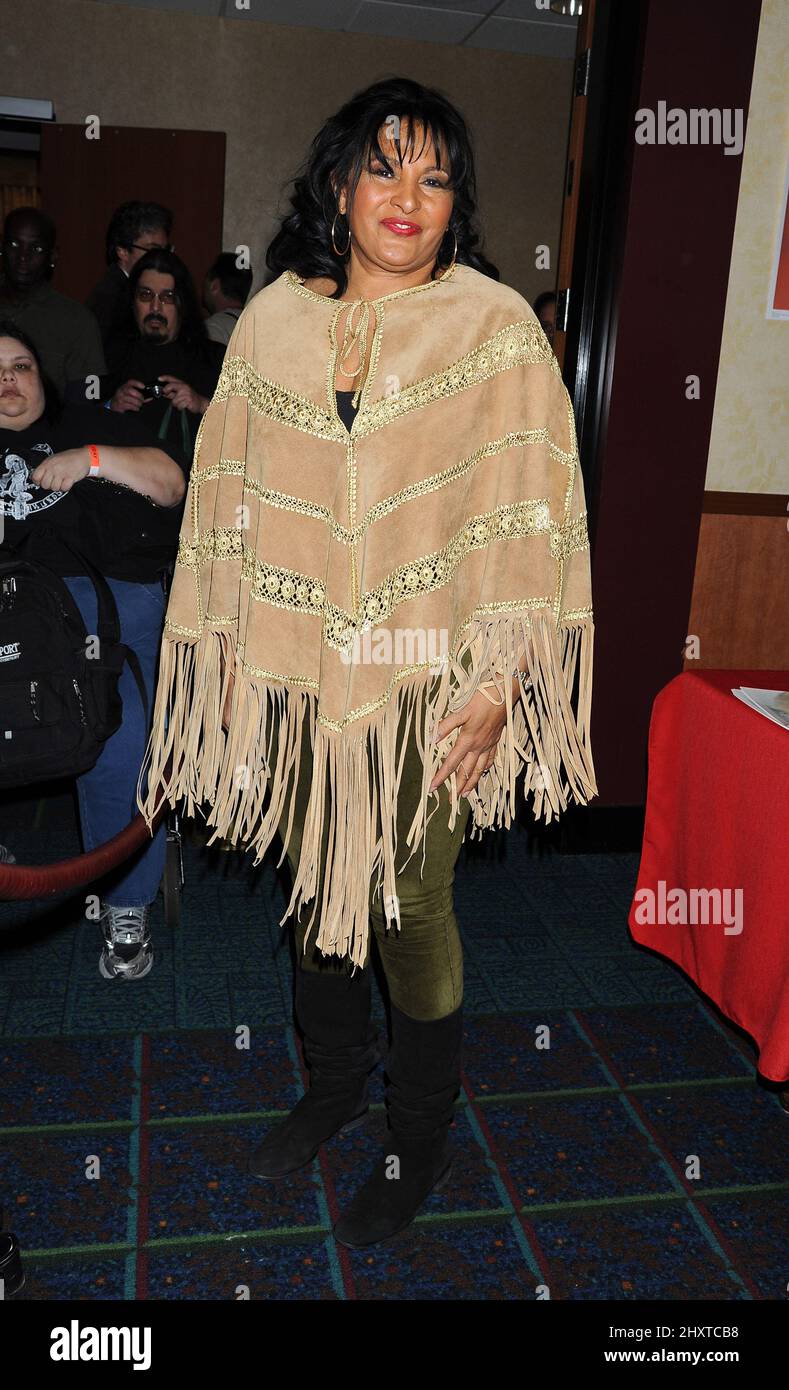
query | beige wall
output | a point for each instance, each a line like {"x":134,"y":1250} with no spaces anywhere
{"x":750,"y":427}
{"x":270,"y":88}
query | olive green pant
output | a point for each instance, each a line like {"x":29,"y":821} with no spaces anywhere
{"x":423,"y":960}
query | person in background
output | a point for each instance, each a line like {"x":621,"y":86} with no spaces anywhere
{"x":164,"y":364}
{"x":65,"y":333}
{"x":134,"y":229}
{"x":545,"y":308}
{"x":99,"y":482}
{"x":225,"y":292}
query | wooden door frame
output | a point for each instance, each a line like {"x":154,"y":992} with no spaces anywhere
{"x":595,"y":220}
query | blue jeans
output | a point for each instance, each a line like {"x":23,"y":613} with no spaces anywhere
{"x":107,"y":793}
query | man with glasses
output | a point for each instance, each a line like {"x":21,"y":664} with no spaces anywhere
{"x":135,"y":228}
{"x":64,"y":332}
{"x":164,"y":364}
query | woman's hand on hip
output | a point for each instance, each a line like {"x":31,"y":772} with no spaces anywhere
{"x":481,"y":725}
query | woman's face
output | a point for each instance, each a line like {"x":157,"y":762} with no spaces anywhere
{"x":21,"y":388}
{"x":400,"y":212}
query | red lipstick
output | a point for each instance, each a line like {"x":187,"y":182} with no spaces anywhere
{"x":401,"y":227}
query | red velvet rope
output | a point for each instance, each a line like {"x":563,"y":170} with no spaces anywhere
{"x":20,"y":882}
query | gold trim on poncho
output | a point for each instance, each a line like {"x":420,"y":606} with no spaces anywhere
{"x":319,"y":567}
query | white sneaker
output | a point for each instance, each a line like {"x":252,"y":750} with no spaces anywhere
{"x":127,"y":952}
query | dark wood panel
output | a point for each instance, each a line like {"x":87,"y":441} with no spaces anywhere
{"x":739,"y":611}
{"x":83,"y":181}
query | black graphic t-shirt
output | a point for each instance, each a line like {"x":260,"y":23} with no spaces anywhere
{"x":122,"y":532}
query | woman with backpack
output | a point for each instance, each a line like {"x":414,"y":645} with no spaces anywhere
{"x":79,"y":483}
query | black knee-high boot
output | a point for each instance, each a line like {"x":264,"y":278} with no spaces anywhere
{"x":424,"y":1080}
{"x":341,"y":1049}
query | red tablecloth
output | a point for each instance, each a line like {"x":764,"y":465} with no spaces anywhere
{"x":717,"y":817}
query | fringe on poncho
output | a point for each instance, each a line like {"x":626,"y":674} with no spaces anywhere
{"x":369,"y":583}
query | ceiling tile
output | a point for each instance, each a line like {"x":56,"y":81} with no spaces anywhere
{"x":516,"y":27}
{"x":472,"y":7}
{"x":311,"y":14}
{"x":201,"y":7}
{"x":527,"y":10}
{"x":517,"y":36}
{"x":394,"y":21}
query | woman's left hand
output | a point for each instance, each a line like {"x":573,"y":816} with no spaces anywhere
{"x":481,"y":725}
{"x":60,"y":471}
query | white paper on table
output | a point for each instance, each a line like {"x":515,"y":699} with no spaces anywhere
{"x":773,"y":704}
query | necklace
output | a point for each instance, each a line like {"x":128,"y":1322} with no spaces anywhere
{"x":359,"y":334}
{"x":355,"y":337}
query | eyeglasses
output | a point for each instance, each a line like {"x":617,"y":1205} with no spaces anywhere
{"x":146,"y":296}
{"x":154,"y":246}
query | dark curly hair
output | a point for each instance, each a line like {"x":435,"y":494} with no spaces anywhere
{"x":345,"y":146}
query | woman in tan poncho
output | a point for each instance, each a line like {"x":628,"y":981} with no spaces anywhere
{"x":380,"y":619}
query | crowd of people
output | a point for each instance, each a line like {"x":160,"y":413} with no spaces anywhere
{"x":100,"y":406}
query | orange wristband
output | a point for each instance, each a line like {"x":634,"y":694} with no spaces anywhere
{"x":93,"y":450}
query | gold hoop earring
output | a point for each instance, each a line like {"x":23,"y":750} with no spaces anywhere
{"x":334,"y":243}
{"x":454,"y":255}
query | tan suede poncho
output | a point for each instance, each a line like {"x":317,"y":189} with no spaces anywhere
{"x":348,"y":578}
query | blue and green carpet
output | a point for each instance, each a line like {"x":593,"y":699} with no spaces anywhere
{"x":128,"y":1109}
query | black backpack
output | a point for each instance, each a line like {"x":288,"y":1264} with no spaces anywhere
{"x":58,"y":703}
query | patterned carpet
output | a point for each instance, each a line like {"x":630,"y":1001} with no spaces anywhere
{"x":570,"y":1175}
